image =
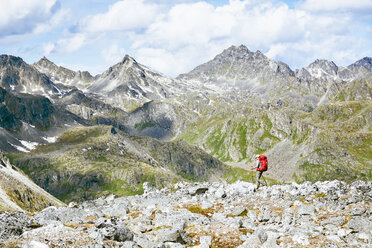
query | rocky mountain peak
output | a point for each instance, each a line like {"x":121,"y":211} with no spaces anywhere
{"x":239,"y":67}
{"x":322,"y":68}
{"x":237,"y":49}
{"x":235,"y":53}
{"x":128,"y":59}
{"x":18,"y":76}
{"x":129,"y":64}
{"x":129,"y":81}
{"x":44,"y":60}
{"x":10,"y":60}
{"x":62,"y":75}
{"x":45,"y":63}
{"x":365,"y":62}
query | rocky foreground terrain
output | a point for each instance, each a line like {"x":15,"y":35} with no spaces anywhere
{"x":323,"y":214}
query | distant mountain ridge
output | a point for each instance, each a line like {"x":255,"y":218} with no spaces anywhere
{"x":59,"y":74}
{"x":315,"y":122}
{"x":18,"y":76}
{"x":240,"y":67}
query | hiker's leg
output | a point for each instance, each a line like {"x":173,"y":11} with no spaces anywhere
{"x":259,"y":174}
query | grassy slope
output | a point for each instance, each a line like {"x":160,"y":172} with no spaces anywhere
{"x":336,"y":136}
{"x":87,"y":162}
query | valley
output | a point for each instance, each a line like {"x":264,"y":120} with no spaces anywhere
{"x":80,"y":136}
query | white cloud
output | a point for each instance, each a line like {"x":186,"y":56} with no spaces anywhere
{"x":48,"y":48}
{"x":65,"y":45}
{"x":19,"y":17}
{"x":113,"y":54}
{"x":53,"y":22}
{"x":172,"y":62}
{"x":123,"y":15}
{"x":189,"y":33}
{"x":336,"y":5}
{"x":175,"y":36}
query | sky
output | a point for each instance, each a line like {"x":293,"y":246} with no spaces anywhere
{"x":174,"y":36}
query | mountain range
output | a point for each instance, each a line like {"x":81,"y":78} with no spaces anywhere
{"x":80,"y":136}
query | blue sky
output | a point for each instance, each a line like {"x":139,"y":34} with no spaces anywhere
{"x":174,"y":36}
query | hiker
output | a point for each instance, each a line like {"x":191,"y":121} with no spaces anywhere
{"x":261,"y":166}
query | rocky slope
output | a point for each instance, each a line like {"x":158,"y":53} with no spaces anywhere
{"x":28,"y":120}
{"x":61,"y":75}
{"x":18,"y":76}
{"x":129,"y":84}
{"x":239,"y":67}
{"x":323,"y":214}
{"x":18,"y":192}
{"x":330,"y":142}
{"x":87,"y":162}
{"x":315,"y":122}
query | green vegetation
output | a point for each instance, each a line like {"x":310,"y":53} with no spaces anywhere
{"x":362,"y":152}
{"x":241,"y":131}
{"x":233,"y":174}
{"x":13,"y":156}
{"x":318,"y":172}
{"x":145,"y":124}
{"x":216,"y":141}
{"x":87,"y":162}
{"x":81,"y":135}
{"x":301,"y":137}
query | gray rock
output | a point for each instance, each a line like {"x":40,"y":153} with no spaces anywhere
{"x":179,"y":218}
{"x":174,"y":245}
{"x":365,"y":237}
{"x":360,"y":224}
{"x":261,"y":234}
{"x":305,"y":209}
{"x":249,"y":224}
{"x":93,"y":246}
{"x":271,"y":241}
{"x":148,"y":188}
{"x":220,"y":193}
{"x":238,"y":210}
{"x":206,"y":204}
{"x":197,"y":190}
{"x":264,"y":216}
{"x":342,"y":232}
{"x":115,"y":210}
{"x":252,"y":215}
{"x":14,"y":224}
{"x":130,"y":244}
{"x":168,"y":235}
{"x":115,"y":229}
{"x":252,"y":242}
{"x":205,"y":242}
{"x":96,"y":234}
{"x":301,"y":238}
{"x":337,"y":221}
{"x":330,"y":245}
{"x":145,"y":243}
{"x":34,"y":244}
{"x":358,"y":210}
{"x":63,"y":214}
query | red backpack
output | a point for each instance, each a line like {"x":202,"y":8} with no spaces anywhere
{"x":263,"y":161}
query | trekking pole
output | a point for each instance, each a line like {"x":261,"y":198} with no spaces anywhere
{"x":264,"y":179}
{"x":252,"y":175}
